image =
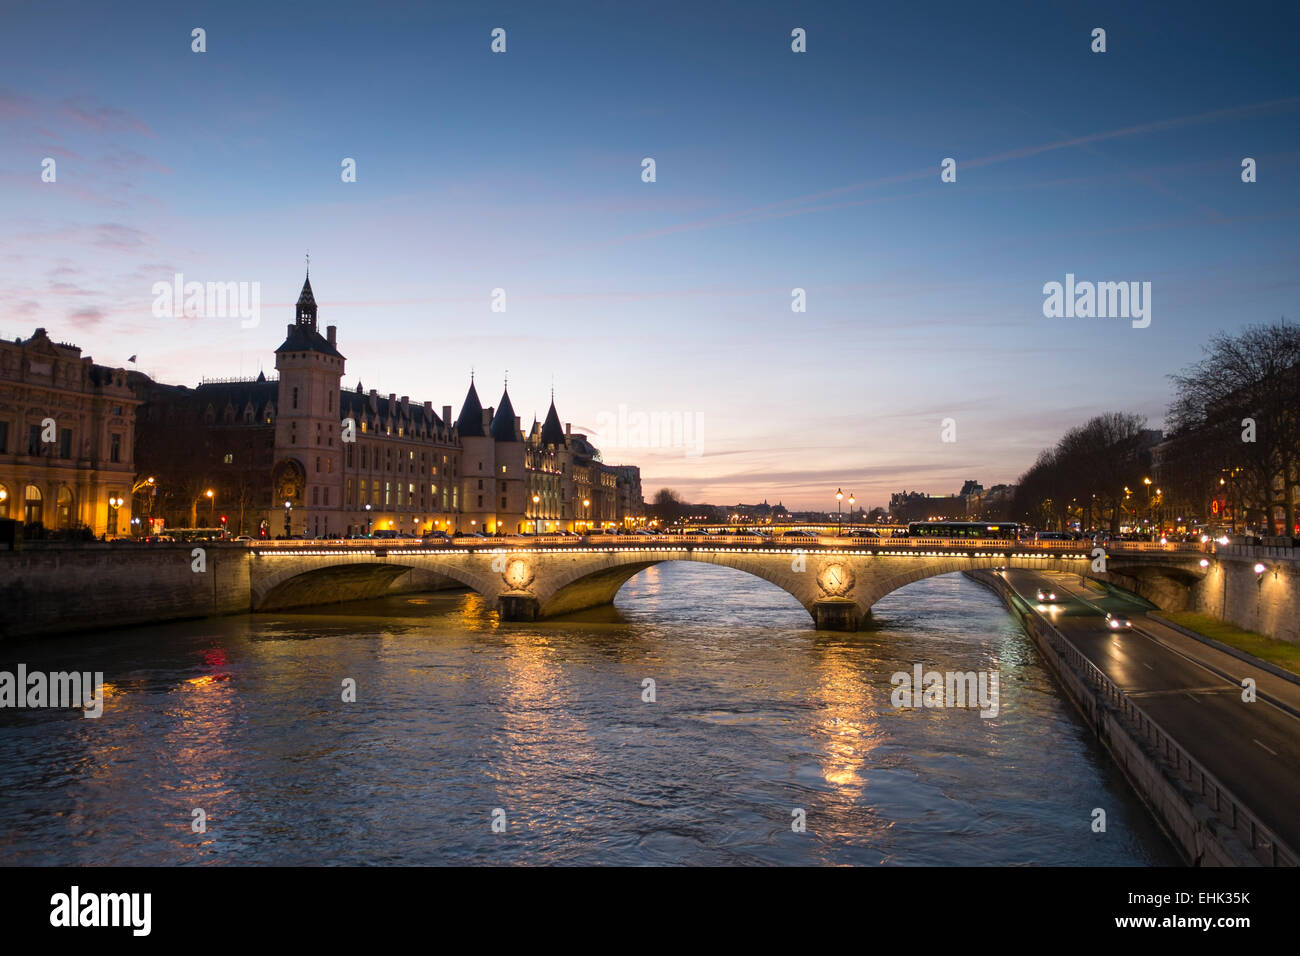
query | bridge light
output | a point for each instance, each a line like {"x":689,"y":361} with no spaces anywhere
{"x":1205,"y":562}
{"x":1260,"y":569}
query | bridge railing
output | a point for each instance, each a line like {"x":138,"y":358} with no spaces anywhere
{"x":1262,"y":841}
{"x":893,"y":545}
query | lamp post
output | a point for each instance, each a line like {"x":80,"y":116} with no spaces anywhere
{"x":586,"y":510}
{"x":537,"y":511}
{"x":288,"y":507}
{"x":839,"y":521}
{"x":1147,"y":482}
{"x":212,"y":504}
{"x":852,"y":501}
{"x":114,"y":503}
{"x":367,"y":518}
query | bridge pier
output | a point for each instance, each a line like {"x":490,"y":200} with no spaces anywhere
{"x":518,"y":607}
{"x":836,"y":615}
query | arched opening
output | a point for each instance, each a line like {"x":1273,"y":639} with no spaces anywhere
{"x":5,"y":504}
{"x":64,"y":508}
{"x":710,"y":593}
{"x":32,"y":505}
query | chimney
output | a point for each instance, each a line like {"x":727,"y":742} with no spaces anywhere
{"x":374,"y":401}
{"x":446,"y":415}
{"x":330,"y":331}
{"x":428,"y":409}
{"x":568,"y":429}
{"x":487,"y":418}
{"x":406,"y":402}
{"x":517,"y":423}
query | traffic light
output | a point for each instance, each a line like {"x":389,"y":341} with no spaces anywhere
{"x":223,"y":519}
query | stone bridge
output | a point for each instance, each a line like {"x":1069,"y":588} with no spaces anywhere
{"x":836,"y":585}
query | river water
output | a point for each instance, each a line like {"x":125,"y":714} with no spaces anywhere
{"x":460,"y":720}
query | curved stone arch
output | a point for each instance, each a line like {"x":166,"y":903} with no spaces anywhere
{"x":565,"y":591}
{"x":270,"y":591}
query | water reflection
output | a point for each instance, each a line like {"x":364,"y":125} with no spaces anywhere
{"x":458,"y":714}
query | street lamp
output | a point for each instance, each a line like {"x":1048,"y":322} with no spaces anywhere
{"x":288,"y":507}
{"x":852,"y":502}
{"x":367,"y":518}
{"x":839,"y":497}
{"x":114,"y":502}
{"x":211,"y":505}
{"x":537,"y":524}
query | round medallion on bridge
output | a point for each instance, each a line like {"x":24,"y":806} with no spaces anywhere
{"x":835,"y":579}
{"x":518,"y":574}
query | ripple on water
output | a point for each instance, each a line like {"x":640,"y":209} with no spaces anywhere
{"x":756,"y":717}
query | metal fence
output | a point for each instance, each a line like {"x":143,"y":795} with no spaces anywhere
{"x":1263,"y":842}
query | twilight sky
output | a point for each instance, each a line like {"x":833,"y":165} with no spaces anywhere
{"x":775,"y":170}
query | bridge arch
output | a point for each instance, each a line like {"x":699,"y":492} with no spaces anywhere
{"x":295,"y":581}
{"x":837,"y":587}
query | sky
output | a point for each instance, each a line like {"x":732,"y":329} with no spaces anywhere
{"x":774,"y":171}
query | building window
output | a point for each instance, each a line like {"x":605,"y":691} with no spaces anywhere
{"x":318,"y":464}
{"x":4,"y":437}
{"x":480,"y":484}
{"x":65,"y":443}
{"x":115,"y":449}
{"x":34,"y":440}
{"x":229,"y":459}
{"x":503,"y":504}
{"x":349,"y":499}
{"x":32,"y":505}
{"x":315,"y":496}
{"x":329,"y":465}
{"x":327,"y":498}
{"x":480,"y":501}
{"x":388,"y":491}
{"x":295,"y":398}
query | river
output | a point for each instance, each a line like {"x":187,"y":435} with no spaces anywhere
{"x":461,"y":721}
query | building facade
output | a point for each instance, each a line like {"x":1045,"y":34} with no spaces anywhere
{"x":67,"y":434}
{"x":302,"y":454}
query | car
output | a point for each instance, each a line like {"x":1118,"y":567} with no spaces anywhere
{"x":1046,"y":596}
{"x":244,"y":537}
{"x":1117,"y":621}
{"x":797,"y":534}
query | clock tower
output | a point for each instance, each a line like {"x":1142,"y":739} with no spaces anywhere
{"x":308,"y":452}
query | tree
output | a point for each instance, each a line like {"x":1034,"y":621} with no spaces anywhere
{"x":1241,"y":404}
{"x":1086,"y":476}
{"x":667,"y":506}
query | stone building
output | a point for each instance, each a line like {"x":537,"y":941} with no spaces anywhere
{"x":303,"y":455}
{"x":67,"y":434}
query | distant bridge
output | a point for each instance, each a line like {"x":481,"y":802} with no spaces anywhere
{"x":836,"y":579}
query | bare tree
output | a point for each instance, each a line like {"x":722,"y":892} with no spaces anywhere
{"x":1241,"y":404}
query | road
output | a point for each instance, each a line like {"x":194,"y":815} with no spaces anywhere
{"x":1193,"y":691}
